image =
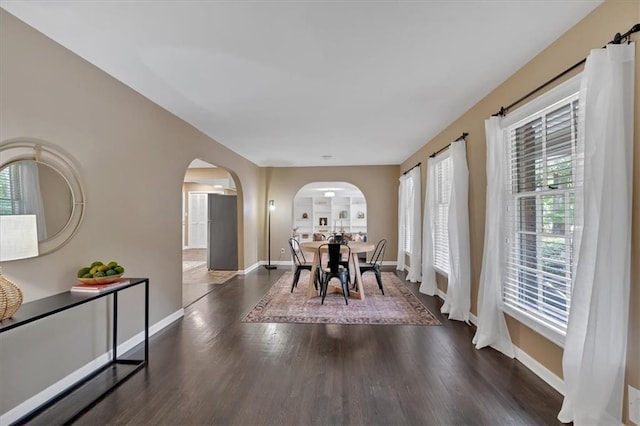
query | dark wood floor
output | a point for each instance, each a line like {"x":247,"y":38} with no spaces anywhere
{"x":210,"y":368}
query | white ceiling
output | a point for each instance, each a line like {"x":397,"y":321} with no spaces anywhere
{"x":283,"y":83}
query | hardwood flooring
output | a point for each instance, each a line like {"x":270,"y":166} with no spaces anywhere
{"x":211,"y":369}
{"x":197,"y":279}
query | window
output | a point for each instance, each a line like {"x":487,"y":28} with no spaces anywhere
{"x":441,"y":232}
{"x":408,"y":188}
{"x":540,"y":205}
{"x":10,"y":191}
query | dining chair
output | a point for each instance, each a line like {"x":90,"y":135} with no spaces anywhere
{"x":340,"y":239}
{"x":375,"y":262}
{"x":333,"y":269}
{"x":301,"y":264}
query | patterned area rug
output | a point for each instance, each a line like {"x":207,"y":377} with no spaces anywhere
{"x":398,"y":305}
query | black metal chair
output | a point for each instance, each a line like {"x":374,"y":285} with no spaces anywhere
{"x":301,"y":264}
{"x":339,"y":238}
{"x":334,"y":269}
{"x":375,"y":262}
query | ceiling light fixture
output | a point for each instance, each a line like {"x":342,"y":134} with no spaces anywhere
{"x":329,"y":194}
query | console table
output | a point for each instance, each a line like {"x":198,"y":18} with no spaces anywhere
{"x":96,"y":385}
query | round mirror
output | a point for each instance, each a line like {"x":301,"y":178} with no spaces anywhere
{"x":38,"y":180}
{"x":29,"y":187}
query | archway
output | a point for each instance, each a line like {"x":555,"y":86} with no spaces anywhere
{"x":210,"y":229}
{"x":324,"y":208}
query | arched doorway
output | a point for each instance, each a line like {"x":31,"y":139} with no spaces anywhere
{"x":209,"y":229}
{"x":324,"y":208}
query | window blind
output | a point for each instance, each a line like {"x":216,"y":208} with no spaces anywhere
{"x":10,"y":193}
{"x":540,"y":208}
{"x":441,"y":220}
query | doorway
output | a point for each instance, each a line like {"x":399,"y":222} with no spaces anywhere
{"x":205,"y":188}
{"x":321,"y":209}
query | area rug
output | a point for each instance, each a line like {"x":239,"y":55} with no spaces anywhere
{"x":398,"y":306}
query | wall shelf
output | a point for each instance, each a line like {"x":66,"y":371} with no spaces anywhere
{"x":340,"y":213}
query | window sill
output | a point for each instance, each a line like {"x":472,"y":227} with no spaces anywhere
{"x":441,"y":272}
{"x":554,"y":335}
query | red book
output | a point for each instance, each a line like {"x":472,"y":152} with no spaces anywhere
{"x":97,"y":288}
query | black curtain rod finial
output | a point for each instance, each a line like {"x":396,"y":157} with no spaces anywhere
{"x":501,"y":112}
{"x":621,"y":38}
{"x":617,"y":39}
{"x":463,"y":136}
{"x":417,"y":165}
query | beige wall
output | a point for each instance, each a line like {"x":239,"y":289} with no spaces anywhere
{"x":594,"y":31}
{"x":131,"y":156}
{"x":379,"y":184}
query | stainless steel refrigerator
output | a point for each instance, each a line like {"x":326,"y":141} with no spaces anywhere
{"x":222,"y":232}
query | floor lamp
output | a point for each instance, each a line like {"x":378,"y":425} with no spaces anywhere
{"x":272,"y":206}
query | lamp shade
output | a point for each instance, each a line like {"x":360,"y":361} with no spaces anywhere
{"x":18,"y":240}
{"x":18,"y":237}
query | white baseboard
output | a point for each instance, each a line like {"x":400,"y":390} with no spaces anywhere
{"x":525,"y":359}
{"x":35,"y":401}
{"x":540,"y":370}
{"x":249,"y":269}
{"x":139,"y":338}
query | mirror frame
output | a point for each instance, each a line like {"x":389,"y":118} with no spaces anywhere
{"x":15,"y":151}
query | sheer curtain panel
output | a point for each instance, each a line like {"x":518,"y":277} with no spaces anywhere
{"x":32,"y":196}
{"x":402,"y":202}
{"x":492,"y":326}
{"x":595,"y":346}
{"x":428,"y":285}
{"x":457,"y":302}
{"x":413,"y":219}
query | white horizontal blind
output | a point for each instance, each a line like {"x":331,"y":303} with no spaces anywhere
{"x":539,"y":220}
{"x":10,"y":193}
{"x":441,"y":221}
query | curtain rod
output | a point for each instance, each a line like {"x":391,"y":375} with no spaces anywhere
{"x":617,"y":39}
{"x":417,"y":165}
{"x":463,"y":136}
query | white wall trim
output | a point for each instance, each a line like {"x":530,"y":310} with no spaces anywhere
{"x":540,"y":370}
{"x":249,"y":269}
{"x":139,"y":338}
{"x":40,"y":398}
{"x":525,"y":359}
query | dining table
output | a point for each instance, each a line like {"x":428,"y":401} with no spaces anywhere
{"x":356,"y":247}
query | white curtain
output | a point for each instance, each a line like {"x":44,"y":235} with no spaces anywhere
{"x":415,"y":269}
{"x":596,"y":343}
{"x":492,"y":327}
{"x":402,"y":197}
{"x":409,"y":217}
{"x":457,"y":302}
{"x":31,"y":195}
{"x":429,"y":285}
